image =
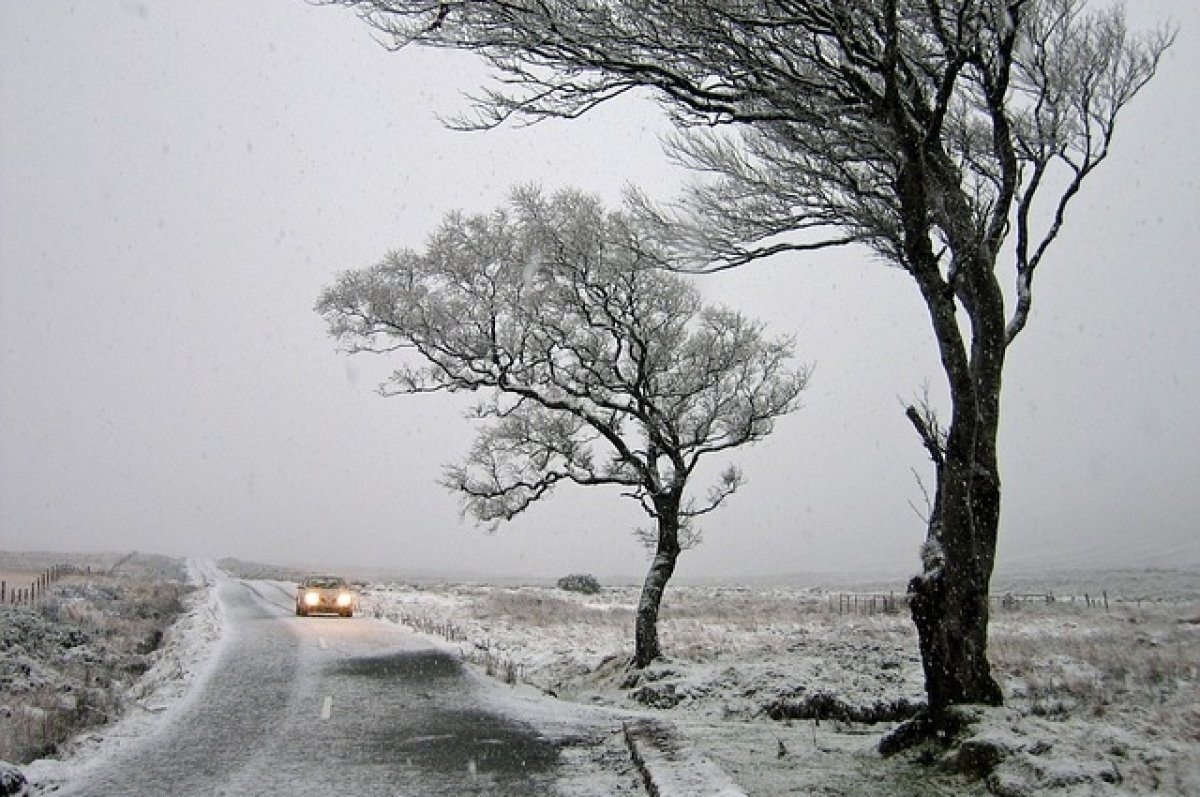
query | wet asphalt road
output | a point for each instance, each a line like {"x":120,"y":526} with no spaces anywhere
{"x":350,"y":707}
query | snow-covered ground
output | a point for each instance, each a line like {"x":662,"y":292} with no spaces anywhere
{"x":788,"y":691}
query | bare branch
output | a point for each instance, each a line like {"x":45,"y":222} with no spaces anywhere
{"x":923,"y":416}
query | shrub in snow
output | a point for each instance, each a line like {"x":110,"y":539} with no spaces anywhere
{"x":579,"y":582}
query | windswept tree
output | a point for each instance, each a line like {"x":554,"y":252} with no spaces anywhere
{"x":599,"y":368}
{"x":946,"y":137}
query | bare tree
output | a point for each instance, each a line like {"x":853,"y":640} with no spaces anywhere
{"x":928,"y":131}
{"x":600,"y":368}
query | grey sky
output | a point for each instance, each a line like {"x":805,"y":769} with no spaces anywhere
{"x":179,"y":180}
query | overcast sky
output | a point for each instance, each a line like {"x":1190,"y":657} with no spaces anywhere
{"x":179,"y":180}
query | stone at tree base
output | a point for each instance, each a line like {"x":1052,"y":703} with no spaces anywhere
{"x":12,"y":780}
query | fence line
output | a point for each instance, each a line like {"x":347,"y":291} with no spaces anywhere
{"x":866,"y":603}
{"x":1011,"y":600}
{"x":38,"y":588}
{"x":891,"y":603}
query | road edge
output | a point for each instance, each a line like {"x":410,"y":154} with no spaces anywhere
{"x":670,"y":766}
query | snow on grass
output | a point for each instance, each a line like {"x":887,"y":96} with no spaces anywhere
{"x":790,"y":696}
{"x":183,"y":655}
{"x":68,"y":658}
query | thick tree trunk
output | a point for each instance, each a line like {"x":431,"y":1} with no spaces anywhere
{"x":666,"y":553}
{"x":949,"y":600}
{"x":949,"y":603}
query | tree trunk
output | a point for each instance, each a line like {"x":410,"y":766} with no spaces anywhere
{"x":666,"y":553}
{"x":949,"y":600}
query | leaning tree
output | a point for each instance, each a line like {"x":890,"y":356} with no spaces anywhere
{"x":947,"y":137}
{"x":600,"y":368}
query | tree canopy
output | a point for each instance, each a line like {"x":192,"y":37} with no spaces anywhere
{"x":602,"y":368}
{"x":811,"y":116}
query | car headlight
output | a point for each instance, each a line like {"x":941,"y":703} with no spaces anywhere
{"x":312,"y":598}
{"x":344,"y":599}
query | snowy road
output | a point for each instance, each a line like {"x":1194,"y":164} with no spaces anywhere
{"x":332,"y":706}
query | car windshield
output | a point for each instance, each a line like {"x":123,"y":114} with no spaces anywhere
{"x":325,"y":582}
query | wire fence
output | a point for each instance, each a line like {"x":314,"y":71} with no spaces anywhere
{"x":891,"y":603}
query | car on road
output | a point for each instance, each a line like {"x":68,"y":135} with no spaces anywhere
{"x":324,"y":595}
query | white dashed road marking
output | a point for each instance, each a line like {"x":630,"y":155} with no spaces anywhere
{"x":322,"y":644}
{"x":327,"y":707}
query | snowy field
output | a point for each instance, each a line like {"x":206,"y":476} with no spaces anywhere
{"x":789,"y":690}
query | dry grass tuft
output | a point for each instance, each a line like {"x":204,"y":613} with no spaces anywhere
{"x":1142,"y":662}
{"x":538,"y":609}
